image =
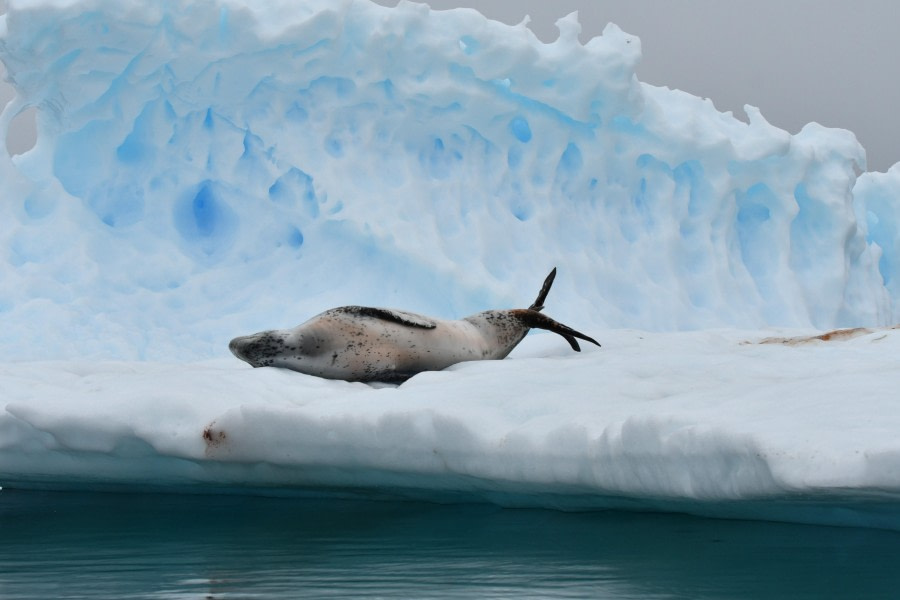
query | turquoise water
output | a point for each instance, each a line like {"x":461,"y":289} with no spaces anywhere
{"x":66,"y":545}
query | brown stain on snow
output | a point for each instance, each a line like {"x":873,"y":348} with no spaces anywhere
{"x":836,"y":335}
{"x":213,"y":438}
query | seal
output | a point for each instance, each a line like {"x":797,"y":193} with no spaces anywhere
{"x":361,"y":343}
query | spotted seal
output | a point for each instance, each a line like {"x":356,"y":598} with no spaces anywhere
{"x":361,"y":343}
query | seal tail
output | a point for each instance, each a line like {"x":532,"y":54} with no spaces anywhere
{"x":538,"y":304}
{"x":533,"y":319}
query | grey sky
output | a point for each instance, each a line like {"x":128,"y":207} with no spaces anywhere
{"x":832,"y":61}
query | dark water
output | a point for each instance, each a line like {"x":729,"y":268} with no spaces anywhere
{"x":55,"y":545}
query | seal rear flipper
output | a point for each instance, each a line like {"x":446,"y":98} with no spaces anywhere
{"x":572,"y":342}
{"x":535,"y":320}
{"x":538,"y":304}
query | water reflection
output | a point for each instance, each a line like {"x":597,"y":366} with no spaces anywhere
{"x":159,"y":546}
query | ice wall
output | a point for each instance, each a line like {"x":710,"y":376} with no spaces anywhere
{"x":208,"y":168}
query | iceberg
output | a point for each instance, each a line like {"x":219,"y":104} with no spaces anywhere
{"x":211,"y":168}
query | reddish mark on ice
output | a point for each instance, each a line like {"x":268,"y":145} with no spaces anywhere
{"x":213,"y":438}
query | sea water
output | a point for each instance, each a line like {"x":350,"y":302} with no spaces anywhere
{"x":72,"y":545}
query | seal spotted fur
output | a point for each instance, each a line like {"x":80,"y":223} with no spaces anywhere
{"x":361,"y":343}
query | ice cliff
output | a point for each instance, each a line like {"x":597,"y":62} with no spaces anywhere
{"x":215,"y":167}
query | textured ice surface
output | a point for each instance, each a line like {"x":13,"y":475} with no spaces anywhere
{"x":209,"y":168}
{"x":713,"y":423}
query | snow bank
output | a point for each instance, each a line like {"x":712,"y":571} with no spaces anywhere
{"x":713,"y":423}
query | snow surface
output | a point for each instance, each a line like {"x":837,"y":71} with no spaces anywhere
{"x":713,"y":423}
{"x":212,"y":168}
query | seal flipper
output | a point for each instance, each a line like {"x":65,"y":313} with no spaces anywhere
{"x":389,"y":314}
{"x":535,"y":320}
{"x":538,"y":304}
{"x":572,"y":342}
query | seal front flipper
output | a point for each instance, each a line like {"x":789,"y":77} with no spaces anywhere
{"x":535,"y":320}
{"x":389,"y":314}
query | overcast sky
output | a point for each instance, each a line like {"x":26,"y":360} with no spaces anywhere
{"x":832,"y":61}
